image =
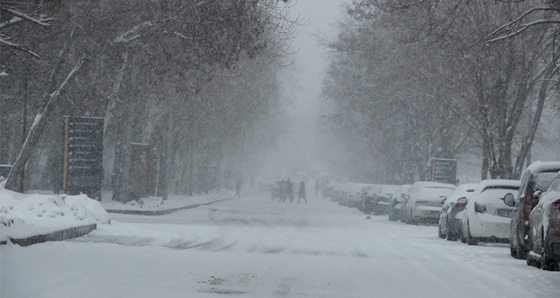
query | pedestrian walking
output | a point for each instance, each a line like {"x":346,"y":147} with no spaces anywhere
{"x":290,"y":190}
{"x":283,"y":190}
{"x":238,"y":188}
{"x":301,"y":193}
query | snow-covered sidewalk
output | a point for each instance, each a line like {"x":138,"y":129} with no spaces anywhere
{"x":39,"y":216}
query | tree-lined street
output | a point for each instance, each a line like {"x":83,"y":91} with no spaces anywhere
{"x":257,"y":247}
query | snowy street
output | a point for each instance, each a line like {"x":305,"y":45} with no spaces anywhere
{"x":256,"y":247}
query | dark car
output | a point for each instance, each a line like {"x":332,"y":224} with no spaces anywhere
{"x":544,"y":229}
{"x":535,"y":179}
{"x":451,"y":213}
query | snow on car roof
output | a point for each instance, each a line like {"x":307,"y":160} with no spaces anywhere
{"x":484,"y":184}
{"x":388,"y":189}
{"x":541,"y":166}
{"x":462,"y":190}
{"x":432,"y":184}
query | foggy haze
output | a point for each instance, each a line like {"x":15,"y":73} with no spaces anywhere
{"x":301,"y":150}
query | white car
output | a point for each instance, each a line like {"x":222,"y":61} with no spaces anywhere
{"x":425,"y":201}
{"x":486,"y":217}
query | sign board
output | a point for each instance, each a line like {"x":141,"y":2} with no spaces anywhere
{"x":442,"y":170}
{"x":83,"y":156}
{"x":138,"y":179}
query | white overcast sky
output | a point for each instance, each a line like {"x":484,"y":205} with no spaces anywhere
{"x":311,"y":60}
{"x":303,"y":87}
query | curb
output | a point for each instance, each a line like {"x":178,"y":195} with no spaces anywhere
{"x":54,"y":236}
{"x":161,"y":212}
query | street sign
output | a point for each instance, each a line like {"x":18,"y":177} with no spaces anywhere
{"x":83,"y":156}
{"x":442,"y":170}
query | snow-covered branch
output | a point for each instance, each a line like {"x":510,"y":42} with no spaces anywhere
{"x":132,"y":34}
{"x":519,"y":28}
{"x":10,"y":22}
{"x":70,"y":75}
{"x":43,"y":21}
{"x":187,"y":37}
{"x":16,"y":46}
{"x":35,"y":131}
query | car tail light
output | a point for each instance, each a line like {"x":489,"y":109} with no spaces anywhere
{"x":459,"y":205}
{"x":480,"y":208}
{"x":422,"y":202}
{"x":527,"y":207}
{"x":556,"y":203}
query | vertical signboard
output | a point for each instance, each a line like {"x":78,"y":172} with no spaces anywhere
{"x":83,"y":156}
{"x":443,"y":170}
{"x":138,"y":180}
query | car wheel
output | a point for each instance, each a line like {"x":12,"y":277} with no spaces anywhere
{"x":513,"y":251}
{"x":451,"y":236}
{"x":520,"y":252}
{"x":547,"y":262}
{"x":532,"y":262}
{"x":470,"y":239}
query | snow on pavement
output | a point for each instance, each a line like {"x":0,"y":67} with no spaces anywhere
{"x":255,"y":247}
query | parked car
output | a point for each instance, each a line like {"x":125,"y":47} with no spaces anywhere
{"x":352,"y":194}
{"x":486,"y":216}
{"x":380,"y":203}
{"x":544,"y":229}
{"x":396,"y":202}
{"x":333,"y":191}
{"x":425,"y":201}
{"x":366,"y":204}
{"x":536,"y":178}
{"x":452,"y":211}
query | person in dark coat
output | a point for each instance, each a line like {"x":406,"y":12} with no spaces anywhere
{"x":301,"y":194}
{"x":238,"y":188}
{"x":290,"y":190}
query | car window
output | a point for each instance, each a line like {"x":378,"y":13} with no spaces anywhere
{"x":554,"y":185}
{"x":542,"y":180}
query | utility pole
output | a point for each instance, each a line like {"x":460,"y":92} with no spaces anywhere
{"x":168,"y":143}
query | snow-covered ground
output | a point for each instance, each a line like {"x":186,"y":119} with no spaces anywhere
{"x":256,"y":247}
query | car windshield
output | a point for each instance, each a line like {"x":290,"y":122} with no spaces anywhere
{"x":543,"y":180}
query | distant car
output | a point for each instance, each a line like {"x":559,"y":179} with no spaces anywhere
{"x":396,"y":202}
{"x":380,"y":203}
{"x":544,"y":229}
{"x":486,"y":216}
{"x":452,"y":211}
{"x":536,"y":178}
{"x":425,"y":201}
{"x":366,"y":203}
{"x":353,"y":193}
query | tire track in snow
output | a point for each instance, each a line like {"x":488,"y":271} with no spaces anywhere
{"x":393,"y":250}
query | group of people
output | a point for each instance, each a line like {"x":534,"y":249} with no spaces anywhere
{"x":286,"y":189}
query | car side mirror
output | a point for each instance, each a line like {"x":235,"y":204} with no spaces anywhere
{"x":406,"y":197}
{"x":443,"y":200}
{"x":462,"y":200}
{"x":509,"y":200}
{"x":537,"y":194}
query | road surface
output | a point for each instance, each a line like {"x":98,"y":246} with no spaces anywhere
{"x":256,"y":247}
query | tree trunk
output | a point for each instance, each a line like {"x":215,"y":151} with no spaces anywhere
{"x":14,"y":182}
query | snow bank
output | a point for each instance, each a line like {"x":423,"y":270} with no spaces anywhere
{"x":24,"y":215}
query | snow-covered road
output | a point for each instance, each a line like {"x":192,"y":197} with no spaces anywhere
{"x":255,"y":247}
